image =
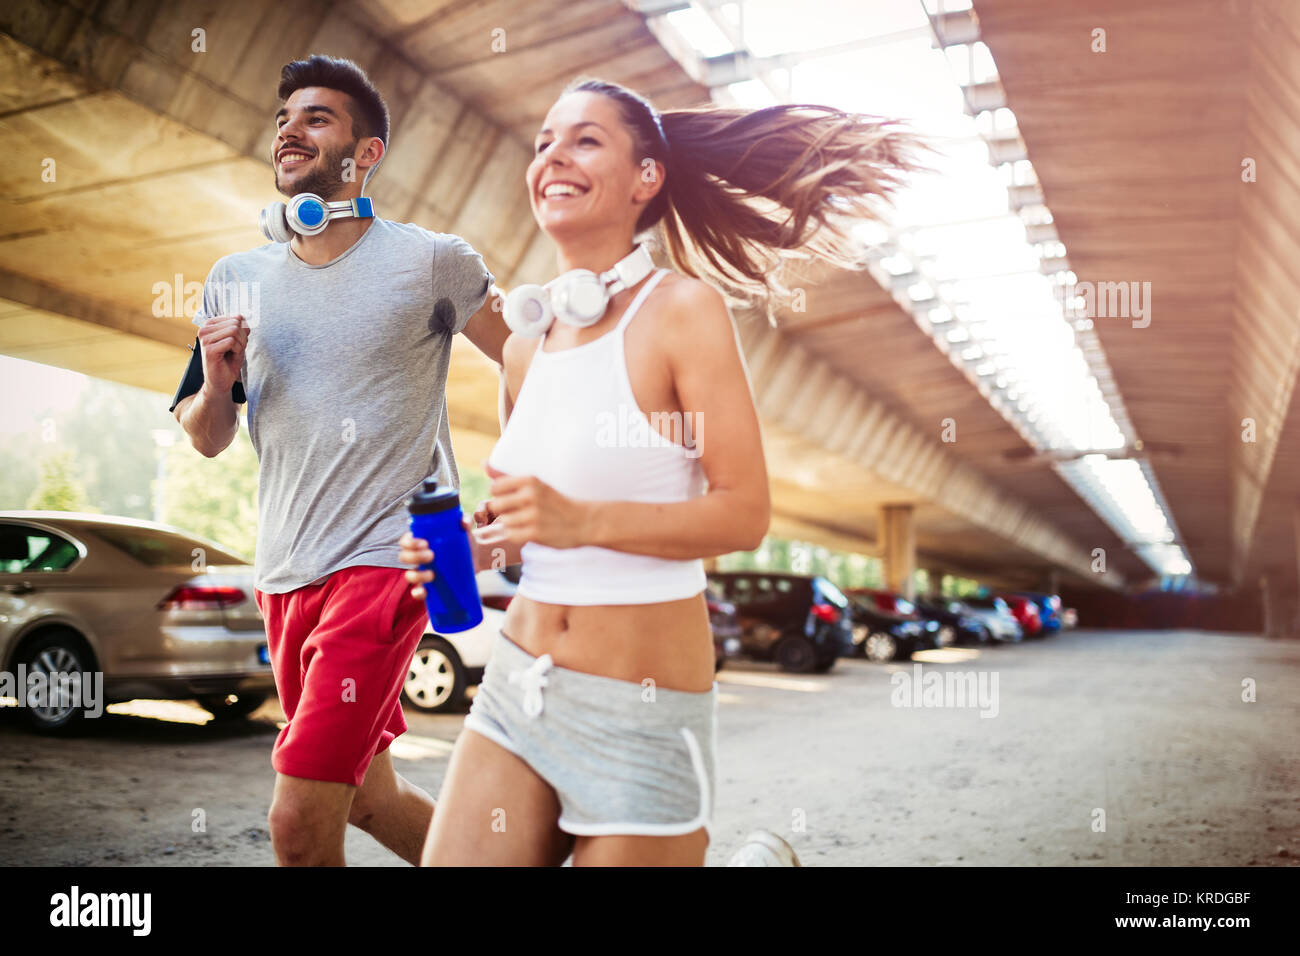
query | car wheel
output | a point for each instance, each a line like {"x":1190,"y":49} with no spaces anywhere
{"x":824,"y":664}
{"x":224,"y":707}
{"x":436,"y":679}
{"x":860,"y":634}
{"x":796,"y":654}
{"x":946,"y":636}
{"x":58,"y":651}
{"x":880,"y":647}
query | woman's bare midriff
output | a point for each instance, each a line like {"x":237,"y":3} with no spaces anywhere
{"x":669,"y":642}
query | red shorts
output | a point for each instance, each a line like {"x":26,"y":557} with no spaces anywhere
{"x":340,"y":651}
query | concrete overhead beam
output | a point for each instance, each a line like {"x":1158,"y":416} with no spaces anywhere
{"x":800,"y":393}
{"x":1266,"y":342}
{"x":448,"y":168}
{"x":47,"y":298}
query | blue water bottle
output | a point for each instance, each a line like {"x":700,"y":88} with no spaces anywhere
{"x":452,"y":596}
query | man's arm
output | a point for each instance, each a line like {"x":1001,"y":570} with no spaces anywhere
{"x":211,"y":421}
{"x":205,"y":402}
{"x":487,"y":327}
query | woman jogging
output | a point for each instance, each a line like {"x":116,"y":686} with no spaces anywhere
{"x":630,"y":452}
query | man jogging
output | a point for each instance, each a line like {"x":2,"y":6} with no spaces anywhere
{"x":339,"y":343}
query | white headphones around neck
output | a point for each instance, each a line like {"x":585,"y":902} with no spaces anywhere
{"x":578,"y":297}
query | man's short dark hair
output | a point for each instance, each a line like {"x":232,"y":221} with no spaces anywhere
{"x":367,"y":108}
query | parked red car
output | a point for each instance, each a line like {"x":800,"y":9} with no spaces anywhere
{"x":1026,"y":613}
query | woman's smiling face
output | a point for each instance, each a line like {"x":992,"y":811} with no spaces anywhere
{"x":583,"y":173}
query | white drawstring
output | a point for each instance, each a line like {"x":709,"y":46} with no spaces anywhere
{"x":532,"y":679}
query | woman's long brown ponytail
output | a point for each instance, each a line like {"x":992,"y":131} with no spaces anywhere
{"x":748,"y":189}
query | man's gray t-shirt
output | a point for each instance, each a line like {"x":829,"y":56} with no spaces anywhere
{"x":345,"y":373}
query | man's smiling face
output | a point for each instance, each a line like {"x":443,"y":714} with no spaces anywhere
{"x":315,"y":136}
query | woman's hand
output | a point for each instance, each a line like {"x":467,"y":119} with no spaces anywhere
{"x":527,"y":509}
{"x":415,"y":551}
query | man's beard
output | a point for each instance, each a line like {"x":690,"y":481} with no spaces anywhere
{"x":326,"y":178}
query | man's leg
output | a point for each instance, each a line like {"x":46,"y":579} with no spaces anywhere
{"x":388,"y":807}
{"x":340,"y":667}
{"x":308,"y":819}
{"x":391,"y":809}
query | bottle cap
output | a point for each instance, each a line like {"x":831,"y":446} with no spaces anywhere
{"x":430,"y":498}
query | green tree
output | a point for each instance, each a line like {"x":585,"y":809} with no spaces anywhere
{"x":847,"y":569}
{"x":214,"y":497}
{"x":474,"y":486}
{"x":112,"y":431}
{"x":60,"y":487}
{"x":21,"y":472}
{"x":109,"y":431}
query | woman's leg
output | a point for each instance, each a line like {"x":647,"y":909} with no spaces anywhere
{"x":494,"y":810}
{"x":685,"y":850}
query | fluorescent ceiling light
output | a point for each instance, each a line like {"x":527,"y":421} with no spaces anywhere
{"x":958,"y":238}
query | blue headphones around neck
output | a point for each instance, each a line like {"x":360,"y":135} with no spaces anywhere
{"x":306,"y":214}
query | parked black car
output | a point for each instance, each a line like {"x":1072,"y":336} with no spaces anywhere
{"x":799,"y":621}
{"x":967,"y":628}
{"x":881,"y":636}
{"x":725,"y":624}
{"x":895,"y":605}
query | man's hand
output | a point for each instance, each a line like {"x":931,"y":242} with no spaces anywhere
{"x":415,"y":551}
{"x":223,"y":340}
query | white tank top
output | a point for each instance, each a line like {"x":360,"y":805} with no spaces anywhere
{"x":576,"y":425}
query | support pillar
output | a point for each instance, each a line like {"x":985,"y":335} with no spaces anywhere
{"x":936,"y":582}
{"x":1292,"y":626}
{"x":898,"y":548}
{"x":1267,"y":588}
{"x":1295,"y":525}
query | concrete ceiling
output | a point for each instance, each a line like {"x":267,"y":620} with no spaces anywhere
{"x":161,"y":169}
{"x":1140,"y":152}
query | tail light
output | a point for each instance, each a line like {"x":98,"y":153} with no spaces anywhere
{"x":826,"y":612}
{"x":202,"y":597}
{"x":498,"y":602}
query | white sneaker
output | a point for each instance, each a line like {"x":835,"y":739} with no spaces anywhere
{"x":764,"y":848}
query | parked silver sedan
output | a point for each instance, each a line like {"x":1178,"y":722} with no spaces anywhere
{"x":136,"y":609}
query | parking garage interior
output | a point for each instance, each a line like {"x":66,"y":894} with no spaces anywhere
{"x":1067,"y":365}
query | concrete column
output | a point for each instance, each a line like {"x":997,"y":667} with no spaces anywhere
{"x":1295,"y":524}
{"x":1266,"y":597}
{"x":936,"y":582}
{"x":898,"y":548}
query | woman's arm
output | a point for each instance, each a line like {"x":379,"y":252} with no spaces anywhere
{"x":699,"y":342}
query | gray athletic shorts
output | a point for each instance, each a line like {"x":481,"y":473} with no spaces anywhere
{"x":623,"y":758}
